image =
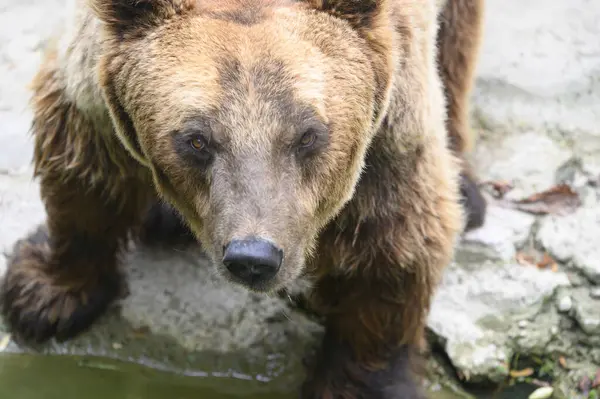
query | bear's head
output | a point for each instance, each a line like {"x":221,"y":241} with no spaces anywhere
{"x":254,"y":116}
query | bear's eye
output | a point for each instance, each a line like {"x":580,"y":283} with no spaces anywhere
{"x":312,"y":142}
{"x":308,"y":138}
{"x":197,"y":143}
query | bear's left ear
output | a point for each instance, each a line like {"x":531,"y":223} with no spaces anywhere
{"x":359,"y":13}
{"x":129,"y":15}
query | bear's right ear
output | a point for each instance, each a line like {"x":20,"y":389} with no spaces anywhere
{"x":128,"y":15}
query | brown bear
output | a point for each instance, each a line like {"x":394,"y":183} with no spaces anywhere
{"x":293,"y":137}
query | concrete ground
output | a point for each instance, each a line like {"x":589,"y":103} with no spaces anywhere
{"x":537,"y":110}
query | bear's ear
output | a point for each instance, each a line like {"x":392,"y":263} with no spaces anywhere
{"x":129,"y":15}
{"x":359,"y":13}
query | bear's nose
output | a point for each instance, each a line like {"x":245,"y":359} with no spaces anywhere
{"x":253,"y":260}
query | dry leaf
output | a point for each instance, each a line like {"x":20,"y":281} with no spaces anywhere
{"x":546,"y":261}
{"x":563,"y":362}
{"x":521,"y":373}
{"x":559,"y":200}
{"x":500,"y":187}
{"x":525,"y":260}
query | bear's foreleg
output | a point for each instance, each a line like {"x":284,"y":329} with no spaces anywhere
{"x":459,"y":40}
{"x":368,"y":351}
{"x":378,"y":266}
{"x":63,"y":276}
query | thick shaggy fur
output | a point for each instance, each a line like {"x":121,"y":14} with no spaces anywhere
{"x":371,"y":214}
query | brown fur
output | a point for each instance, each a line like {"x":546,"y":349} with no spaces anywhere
{"x":369,"y":211}
{"x":65,"y":275}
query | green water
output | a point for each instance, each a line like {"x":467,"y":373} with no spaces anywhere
{"x":62,"y":377}
{"x":57,"y":377}
{"x":66,"y":377}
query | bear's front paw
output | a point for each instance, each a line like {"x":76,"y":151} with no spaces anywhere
{"x":335,"y":375}
{"x":38,"y":305}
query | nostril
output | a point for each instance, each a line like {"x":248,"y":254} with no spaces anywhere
{"x":252,"y":260}
{"x":239,"y":269}
{"x":259,"y":269}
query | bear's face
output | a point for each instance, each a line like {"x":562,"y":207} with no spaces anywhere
{"x":254,"y":117}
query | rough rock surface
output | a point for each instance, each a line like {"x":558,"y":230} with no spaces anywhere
{"x":537,"y":109}
{"x":575,"y":239}
{"x":477,"y":306}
